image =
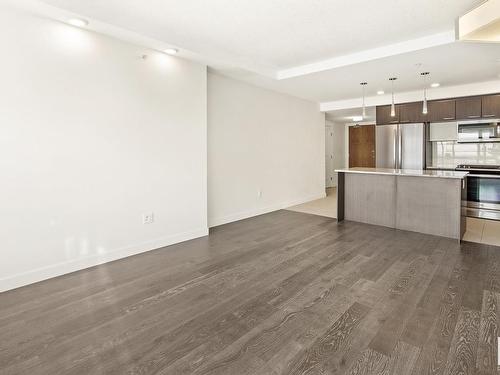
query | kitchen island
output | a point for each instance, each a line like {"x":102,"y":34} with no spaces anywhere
{"x":425,"y":201}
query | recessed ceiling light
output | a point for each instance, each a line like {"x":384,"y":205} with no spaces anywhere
{"x":357,"y":118}
{"x":171,"y":51}
{"x":380,"y":92}
{"x":78,"y":22}
{"x":435,"y":84}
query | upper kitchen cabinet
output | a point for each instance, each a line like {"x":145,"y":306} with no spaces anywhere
{"x":441,"y":110}
{"x":465,"y":108}
{"x":443,"y":131}
{"x":491,"y":106}
{"x":468,"y":108}
{"x":384,"y":115}
{"x":411,"y":113}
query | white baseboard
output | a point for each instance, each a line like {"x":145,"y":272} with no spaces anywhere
{"x":213,"y":222}
{"x":63,"y":268}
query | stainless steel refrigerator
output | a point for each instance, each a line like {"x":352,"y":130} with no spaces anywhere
{"x":400,"y":146}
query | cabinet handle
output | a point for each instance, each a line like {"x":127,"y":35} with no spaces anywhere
{"x":448,"y":118}
{"x":473,"y":116}
{"x":488,"y":115}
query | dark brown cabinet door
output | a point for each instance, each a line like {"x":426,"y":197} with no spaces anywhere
{"x":441,"y":110}
{"x":384,"y":115}
{"x":411,"y":113}
{"x":468,"y":108}
{"x":491,"y":106}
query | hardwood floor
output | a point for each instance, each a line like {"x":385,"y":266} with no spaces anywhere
{"x":282,"y":293}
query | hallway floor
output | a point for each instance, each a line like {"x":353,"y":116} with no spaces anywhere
{"x":323,"y":207}
{"x":483,"y":231}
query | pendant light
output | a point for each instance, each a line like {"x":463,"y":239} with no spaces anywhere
{"x":363,"y":85}
{"x":424,"y":106}
{"x":393,"y":106}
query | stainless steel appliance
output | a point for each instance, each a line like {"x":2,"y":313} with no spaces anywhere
{"x":479,"y":131}
{"x":400,"y":146}
{"x":483,"y":191}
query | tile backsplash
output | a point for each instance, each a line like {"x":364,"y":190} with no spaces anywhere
{"x":448,"y":154}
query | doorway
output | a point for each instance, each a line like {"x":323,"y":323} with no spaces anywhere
{"x":362,"y":146}
{"x":330,"y":180}
{"x":334,"y":159}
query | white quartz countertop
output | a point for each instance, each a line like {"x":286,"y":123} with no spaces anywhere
{"x":407,"y":172}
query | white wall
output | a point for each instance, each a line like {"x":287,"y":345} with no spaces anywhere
{"x":91,"y":137}
{"x":259,"y":140}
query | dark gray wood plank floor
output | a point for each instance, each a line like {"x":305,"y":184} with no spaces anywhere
{"x":282,"y":293}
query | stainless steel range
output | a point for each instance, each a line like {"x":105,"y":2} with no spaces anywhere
{"x":483,"y":191}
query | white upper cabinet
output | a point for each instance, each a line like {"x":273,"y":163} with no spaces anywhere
{"x":443,"y":131}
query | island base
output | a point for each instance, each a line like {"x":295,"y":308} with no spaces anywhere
{"x":419,"y":204}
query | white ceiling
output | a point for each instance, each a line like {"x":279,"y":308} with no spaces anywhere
{"x":260,"y":39}
{"x":344,"y":116}
{"x":276,"y":33}
{"x":452,"y":64}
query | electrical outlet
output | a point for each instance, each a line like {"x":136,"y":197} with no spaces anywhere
{"x":148,"y":218}
{"x":259,"y":193}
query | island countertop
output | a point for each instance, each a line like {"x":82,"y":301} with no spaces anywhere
{"x":406,"y":172}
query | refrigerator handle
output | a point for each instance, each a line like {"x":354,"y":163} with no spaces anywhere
{"x":400,"y":148}
{"x":395,"y":148}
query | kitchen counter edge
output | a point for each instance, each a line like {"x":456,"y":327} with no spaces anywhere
{"x":407,"y":172}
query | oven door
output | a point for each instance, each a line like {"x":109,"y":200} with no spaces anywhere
{"x":483,"y":196}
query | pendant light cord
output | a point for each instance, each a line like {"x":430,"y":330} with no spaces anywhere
{"x":392,"y":91}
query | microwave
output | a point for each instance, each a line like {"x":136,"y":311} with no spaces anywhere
{"x":479,"y":131}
